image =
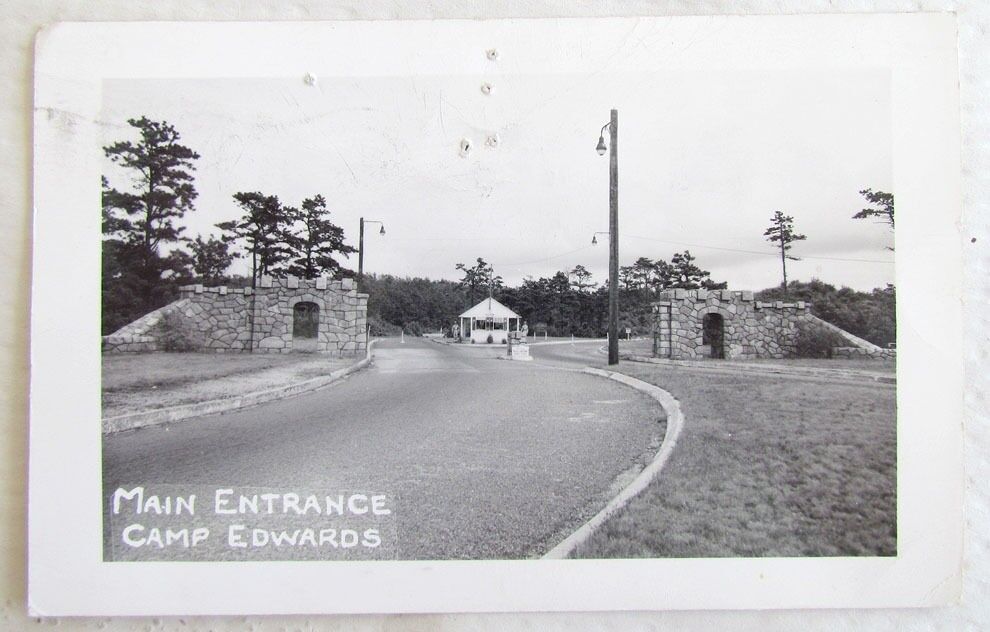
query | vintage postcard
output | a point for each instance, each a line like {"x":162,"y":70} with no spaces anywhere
{"x":440,"y":316}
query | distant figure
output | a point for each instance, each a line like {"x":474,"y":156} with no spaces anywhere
{"x":455,"y":331}
{"x":525,"y":330}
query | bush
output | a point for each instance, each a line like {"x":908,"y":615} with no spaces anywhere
{"x":869,"y":315}
{"x":490,"y":340}
{"x":381,"y":328}
{"x":816,"y":342}
{"x":175,"y":333}
{"x":414,"y":328}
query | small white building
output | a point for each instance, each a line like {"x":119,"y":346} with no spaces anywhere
{"x":489,"y":318}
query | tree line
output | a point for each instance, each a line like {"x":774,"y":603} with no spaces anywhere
{"x":147,"y":255}
{"x":570,"y":302}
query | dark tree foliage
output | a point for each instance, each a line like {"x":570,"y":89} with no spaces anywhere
{"x":479,"y":280}
{"x":211,"y":258}
{"x":881,"y":205}
{"x":139,"y":222}
{"x":869,"y":315}
{"x":162,"y":190}
{"x":559,"y":303}
{"x":650,"y":277}
{"x":683,"y":273}
{"x":266,"y":231}
{"x":396,"y":302}
{"x":580,"y":279}
{"x":317,"y":241}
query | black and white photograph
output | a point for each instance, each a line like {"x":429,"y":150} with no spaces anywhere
{"x":587,"y":290}
{"x":265,"y":236}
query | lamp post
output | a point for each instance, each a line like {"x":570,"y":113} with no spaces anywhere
{"x":613,"y":232}
{"x":361,"y":243}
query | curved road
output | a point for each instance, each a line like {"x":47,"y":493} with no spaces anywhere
{"x":487,"y":458}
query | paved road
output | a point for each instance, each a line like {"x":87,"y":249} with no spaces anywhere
{"x":488,"y":458}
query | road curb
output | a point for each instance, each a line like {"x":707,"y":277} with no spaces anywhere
{"x":158,"y":416}
{"x":675,"y":424}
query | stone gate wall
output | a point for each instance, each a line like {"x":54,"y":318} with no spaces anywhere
{"x":225,"y":319}
{"x":751,"y":329}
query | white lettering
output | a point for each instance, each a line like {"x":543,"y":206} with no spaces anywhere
{"x":354,"y":507}
{"x":248,"y":503}
{"x":283,"y":537}
{"x":269,"y":498}
{"x":335,"y":506}
{"x":307,"y":537}
{"x":234,"y":537}
{"x":137,"y":492}
{"x":181,"y":536}
{"x":312,"y":503}
{"x":259,"y":537}
{"x":291,"y":501}
{"x":348,"y":538}
{"x":155,"y":537}
{"x":199,"y":534}
{"x":378,"y":506}
{"x":190,"y":504}
{"x":371,"y":538}
{"x":128,"y":540}
{"x":220,"y":502}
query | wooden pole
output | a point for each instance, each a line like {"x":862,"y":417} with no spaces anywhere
{"x":613,"y":241}
{"x":361,"y":249}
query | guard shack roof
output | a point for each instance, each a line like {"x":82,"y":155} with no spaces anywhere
{"x":489,"y":308}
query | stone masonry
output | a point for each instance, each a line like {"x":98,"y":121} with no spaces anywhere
{"x":748,"y":328}
{"x":225,"y":319}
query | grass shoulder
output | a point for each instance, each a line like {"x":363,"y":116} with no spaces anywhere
{"x":144,"y":381}
{"x":765,"y":466}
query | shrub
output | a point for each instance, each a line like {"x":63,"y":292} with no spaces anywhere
{"x":490,"y":340}
{"x":414,"y":328}
{"x":175,"y":333}
{"x":816,"y":342}
{"x":381,"y":328}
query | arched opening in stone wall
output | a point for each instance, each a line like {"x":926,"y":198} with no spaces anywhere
{"x":713,"y":335}
{"x":305,"y":325}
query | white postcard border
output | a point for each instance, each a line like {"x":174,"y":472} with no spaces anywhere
{"x":66,"y":572}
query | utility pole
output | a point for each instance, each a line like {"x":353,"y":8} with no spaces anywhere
{"x":361,"y":250}
{"x":613,"y":240}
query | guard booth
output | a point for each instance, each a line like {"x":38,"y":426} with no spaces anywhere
{"x":489,"y":319}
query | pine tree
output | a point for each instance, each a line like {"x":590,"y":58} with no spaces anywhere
{"x":265,"y":228}
{"x":781,"y":232}
{"x":318,"y":241}
{"x":139,"y":223}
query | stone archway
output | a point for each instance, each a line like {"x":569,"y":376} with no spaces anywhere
{"x":713,"y":335}
{"x":305,"y":326}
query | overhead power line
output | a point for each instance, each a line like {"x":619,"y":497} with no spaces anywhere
{"x":755,"y":252}
{"x":542,"y":259}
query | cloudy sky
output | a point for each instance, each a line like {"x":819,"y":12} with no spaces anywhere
{"x":705,"y":158}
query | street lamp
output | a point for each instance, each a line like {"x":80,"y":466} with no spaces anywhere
{"x":594,"y":238}
{"x":361,"y":243}
{"x":613,"y":232}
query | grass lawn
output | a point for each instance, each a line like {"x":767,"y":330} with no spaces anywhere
{"x":133,"y":382}
{"x":124,"y":371}
{"x":765,"y":466}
